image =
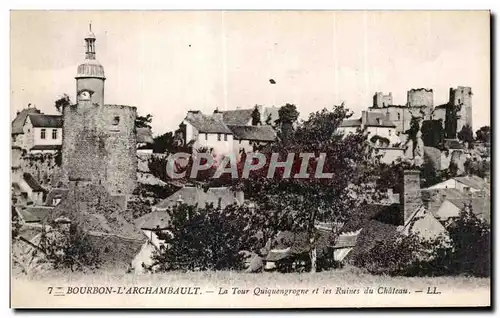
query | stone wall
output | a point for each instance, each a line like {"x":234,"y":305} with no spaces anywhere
{"x":99,"y":145}
{"x":44,"y":167}
{"x":411,"y":196}
{"x":420,"y":97}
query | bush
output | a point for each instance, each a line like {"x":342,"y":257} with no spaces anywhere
{"x":206,"y":239}
{"x":466,"y":251}
{"x":67,"y":246}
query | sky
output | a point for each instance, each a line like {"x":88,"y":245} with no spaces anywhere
{"x":168,"y":62}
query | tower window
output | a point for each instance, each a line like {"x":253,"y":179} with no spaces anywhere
{"x":54,"y":133}
{"x":390,"y":132}
{"x":218,"y":137}
{"x":116,"y":120}
{"x":225,"y":137}
{"x":399,"y":116}
{"x":43,"y":133}
{"x":206,"y":136}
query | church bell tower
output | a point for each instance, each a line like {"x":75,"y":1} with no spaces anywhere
{"x":90,"y":75}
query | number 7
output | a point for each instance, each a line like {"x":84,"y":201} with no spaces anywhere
{"x":50,"y":289}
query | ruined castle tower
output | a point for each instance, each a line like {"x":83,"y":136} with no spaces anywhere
{"x":99,"y":140}
{"x":460,"y":102}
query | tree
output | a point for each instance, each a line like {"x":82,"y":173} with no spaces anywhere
{"x":287,"y":116}
{"x":256,"y":116}
{"x":466,"y":135}
{"x":269,"y":120}
{"x":484,"y":134}
{"x":208,"y":238}
{"x":163,"y":143}
{"x":297,"y":204}
{"x":433,"y":133}
{"x":62,"y":102}
{"x":143,"y":121}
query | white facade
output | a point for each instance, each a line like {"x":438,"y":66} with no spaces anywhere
{"x":38,"y":136}
{"x":453,"y":184}
{"x":386,"y":132}
{"x":221,"y":143}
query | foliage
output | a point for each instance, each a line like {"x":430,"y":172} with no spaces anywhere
{"x":68,"y":246}
{"x":479,"y":168}
{"x":483,"y":134}
{"x":433,"y":133}
{"x":466,"y":251}
{"x":62,"y":102}
{"x":206,"y":238}
{"x":466,"y":134}
{"x":143,"y":121}
{"x":269,"y":120}
{"x":256,"y":116}
{"x":471,"y":238}
{"x":287,"y":116}
{"x":163,"y":143}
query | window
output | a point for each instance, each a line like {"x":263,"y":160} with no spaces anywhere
{"x":225,"y":137}
{"x":54,"y":133}
{"x":399,"y":116}
{"x":42,"y":133}
{"x":218,"y":137}
{"x":206,"y":136}
{"x":116,"y":120}
{"x":390,"y":132}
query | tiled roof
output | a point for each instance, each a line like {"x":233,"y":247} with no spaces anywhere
{"x":480,"y":206}
{"x":254,"y":133}
{"x":27,"y":216}
{"x":40,"y":212}
{"x":18,"y":122}
{"x":34,"y":185}
{"x":351,"y":123}
{"x":153,"y":220}
{"x":376,"y":222}
{"x":47,"y":121}
{"x":207,"y":124}
{"x":237,"y":116}
{"x":473,"y":181}
{"x":144,"y":135}
{"x":196,"y":195}
{"x":46,"y":147}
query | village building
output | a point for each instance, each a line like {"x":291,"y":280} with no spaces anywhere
{"x":227,"y":132}
{"x":468,"y":183}
{"x":36,"y":132}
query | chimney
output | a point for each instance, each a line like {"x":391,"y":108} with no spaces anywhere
{"x":217,"y":114}
{"x":411,"y":196}
{"x":239,"y":196}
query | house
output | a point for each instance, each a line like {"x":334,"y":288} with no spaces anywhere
{"x":381,"y":133}
{"x":248,"y":138}
{"x":413,"y":214}
{"x":192,"y":195}
{"x":37,"y":132}
{"x":225,"y":132}
{"x":202,"y":131}
{"x":243,"y":117}
{"x":451,"y":208}
{"x":470,"y":183}
{"x":27,"y":186}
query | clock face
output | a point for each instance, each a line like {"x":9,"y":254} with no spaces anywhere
{"x":84,"y":95}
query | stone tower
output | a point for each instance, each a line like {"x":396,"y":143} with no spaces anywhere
{"x":90,"y":75}
{"x":99,"y":140}
{"x":461,"y":101}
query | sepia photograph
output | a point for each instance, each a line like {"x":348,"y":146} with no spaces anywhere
{"x":250,"y":159}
